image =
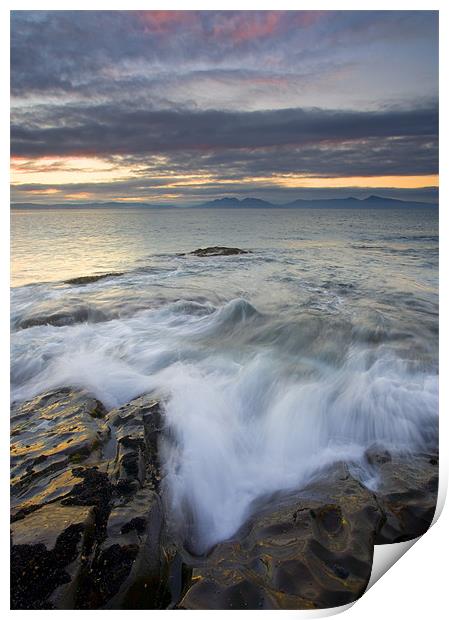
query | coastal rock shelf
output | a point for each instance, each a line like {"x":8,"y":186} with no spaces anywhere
{"x":90,"y":529}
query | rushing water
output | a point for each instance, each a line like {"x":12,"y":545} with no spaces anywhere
{"x":316,"y":344}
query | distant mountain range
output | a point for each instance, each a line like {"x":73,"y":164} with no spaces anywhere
{"x":372,"y":202}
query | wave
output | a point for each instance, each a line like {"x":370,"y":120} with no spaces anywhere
{"x":254,"y":403}
{"x":71,"y":352}
{"x":244,"y":434}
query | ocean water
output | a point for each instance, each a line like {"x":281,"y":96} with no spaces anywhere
{"x":318,"y":343}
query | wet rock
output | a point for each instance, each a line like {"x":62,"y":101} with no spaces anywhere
{"x":95,"y":278}
{"x":128,"y":571}
{"x":218,"y":251}
{"x":50,"y":436}
{"x":407,"y":492}
{"x":94,"y":489}
{"x":304,"y":551}
{"x":89,"y":529}
{"x":136,"y":428}
{"x":85,"y":512}
{"x":376,"y":455}
{"x":45,"y":314}
{"x":47,"y":555}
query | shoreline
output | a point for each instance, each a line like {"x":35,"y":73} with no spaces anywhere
{"x":91,"y":528}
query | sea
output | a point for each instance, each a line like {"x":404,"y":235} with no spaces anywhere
{"x":319,"y":342}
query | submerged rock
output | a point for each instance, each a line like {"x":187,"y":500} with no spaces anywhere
{"x":218,"y":251}
{"x":45,"y":314}
{"x":95,"y":278}
{"x":308,"y":550}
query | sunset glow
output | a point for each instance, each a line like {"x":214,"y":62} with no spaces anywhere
{"x":193,"y":105}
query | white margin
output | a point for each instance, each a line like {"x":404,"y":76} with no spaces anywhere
{"x":418,"y":586}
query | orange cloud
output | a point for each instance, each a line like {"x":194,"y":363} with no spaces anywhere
{"x":47,"y":191}
{"x":63,"y":170}
{"x":78,"y":196}
{"x":397,"y":182}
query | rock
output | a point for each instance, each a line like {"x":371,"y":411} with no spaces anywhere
{"x":218,"y":251}
{"x":50,"y":435}
{"x":46,"y":314}
{"x":86,"y":518}
{"x":136,"y":428}
{"x":89,"y":529}
{"x":128,"y":571}
{"x":127,"y":568}
{"x":47,"y":554}
{"x":95,"y":278}
{"x":308,"y":550}
{"x":376,"y":455}
{"x":407,"y":492}
{"x":94,"y":489}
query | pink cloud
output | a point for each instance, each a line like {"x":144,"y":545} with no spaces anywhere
{"x":165,"y":21}
{"x":246,"y":26}
{"x":238,"y":27}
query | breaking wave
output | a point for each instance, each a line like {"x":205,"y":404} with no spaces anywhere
{"x":254,"y":403}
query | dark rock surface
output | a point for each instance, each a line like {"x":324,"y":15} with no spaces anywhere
{"x":86,"y":518}
{"x":90,"y":530}
{"x":407,"y":494}
{"x":218,"y":251}
{"x":135,"y":429}
{"x":47,"y":556}
{"x":128,"y":569}
{"x":88,"y":279}
{"x":312,"y":550}
{"x":46,"y":314}
{"x":50,"y":436}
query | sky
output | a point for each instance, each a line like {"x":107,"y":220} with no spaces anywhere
{"x":181,"y":107}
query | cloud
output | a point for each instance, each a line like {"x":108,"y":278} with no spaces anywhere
{"x":307,"y":140}
{"x":68,"y":53}
{"x":106,"y":129}
{"x":148,"y":191}
{"x":229,"y":95}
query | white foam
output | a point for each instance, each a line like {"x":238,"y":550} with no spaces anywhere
{"x":245,"y":422}
{"x":249,"y":432}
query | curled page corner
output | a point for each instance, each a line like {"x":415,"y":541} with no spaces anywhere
{"x":385,"y":556}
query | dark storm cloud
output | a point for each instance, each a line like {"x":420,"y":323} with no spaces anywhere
{"x":110,"y":129}
{"x":366,"y":157}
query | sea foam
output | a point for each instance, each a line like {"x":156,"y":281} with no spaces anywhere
{"x":245,"y":417}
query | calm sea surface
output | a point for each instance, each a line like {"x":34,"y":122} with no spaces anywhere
{"x":316,"y":344}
